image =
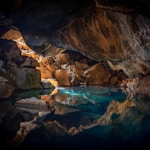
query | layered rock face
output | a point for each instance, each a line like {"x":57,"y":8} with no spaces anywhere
{"x":105,"y":35}
{"x":114,"y":34}
{"x":31,"y":70}
{"x":103,"y":31}
{"x":16,"y":71}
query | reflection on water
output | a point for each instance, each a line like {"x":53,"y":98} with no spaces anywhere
{"x":74,"y":118}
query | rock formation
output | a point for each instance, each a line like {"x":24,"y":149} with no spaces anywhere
{"x":113,"y":35}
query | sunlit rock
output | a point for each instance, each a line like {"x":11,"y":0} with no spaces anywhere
{"x":114,"y":33}
{"x":62,"y":58}
{"x":75,"y":77}
{"x":45,"y":72}
{"x":14,"y":35}
{"x":97,"y":74}
{"x":78,"y":69}
{"x":46,"y":68}
{"x":62,"y":77}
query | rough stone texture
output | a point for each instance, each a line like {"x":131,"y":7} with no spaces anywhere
{"x":27,"y":78}
{"x":117,"y":31}
{"x":110,"y":36}
{"x":113,"y":33}
{"x":97,"y":75}
{"x":29,"y":62}
{"x":62,"y":77}
{"x":115,"y":37}
{"x":62,"y":58}
{"x":143,"y":87}
{"x":20,"y":71}
{"x":10,"y":53}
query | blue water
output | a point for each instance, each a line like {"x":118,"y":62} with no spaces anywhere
{"x":92,"y":117}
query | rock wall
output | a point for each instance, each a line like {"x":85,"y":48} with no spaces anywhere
{"x":113,"y":35}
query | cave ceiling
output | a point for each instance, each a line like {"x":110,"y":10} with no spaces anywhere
{"x":73,"y":24}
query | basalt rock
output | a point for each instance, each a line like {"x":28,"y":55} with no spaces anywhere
{"x":115,"y":31}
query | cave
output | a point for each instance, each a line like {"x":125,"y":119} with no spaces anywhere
{"x":74,"y":74}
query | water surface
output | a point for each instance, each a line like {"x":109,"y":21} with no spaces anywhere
{"x":92,"y":117}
